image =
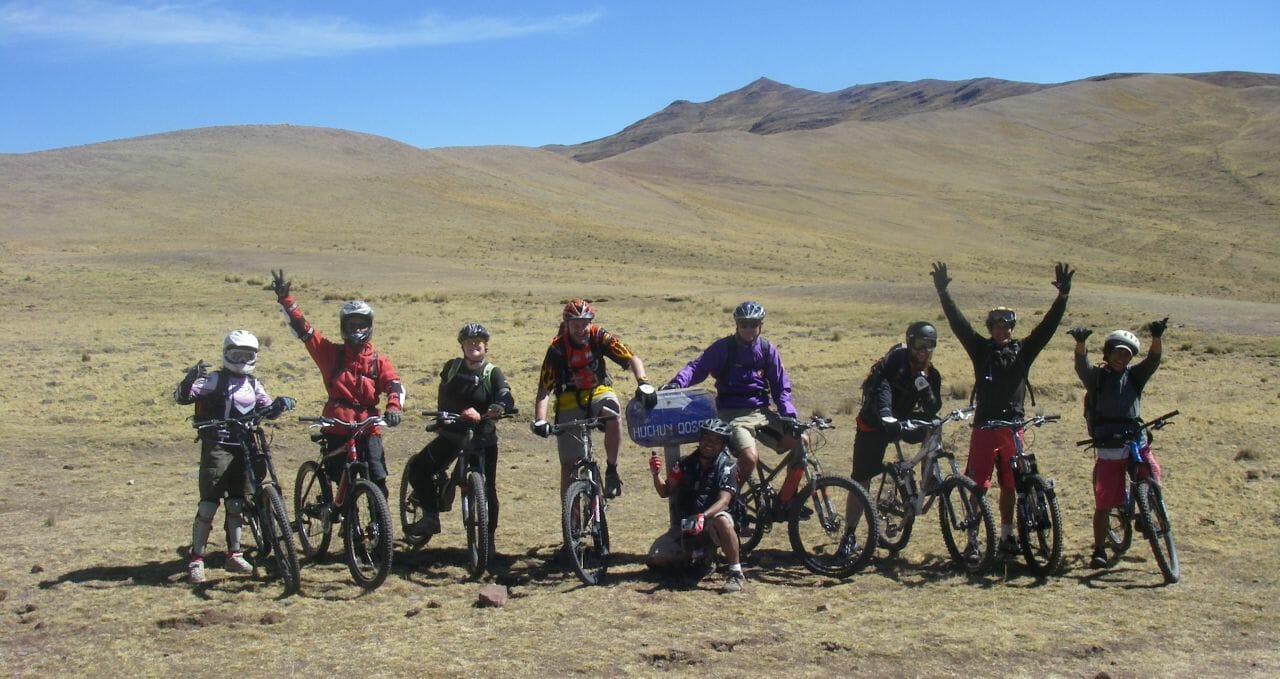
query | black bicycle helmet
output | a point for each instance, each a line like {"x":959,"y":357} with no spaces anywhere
{"x":922,"y":330}
{"x":472,"y":331}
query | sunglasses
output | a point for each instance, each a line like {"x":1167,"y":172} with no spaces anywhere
{"x":750,"y":324}
{"x":923,"y":345}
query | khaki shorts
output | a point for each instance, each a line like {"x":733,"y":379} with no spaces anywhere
{"x":570,"y":444}
{"x":745,"y":421}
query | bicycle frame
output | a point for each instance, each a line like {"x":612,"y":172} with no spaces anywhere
{"x":931,"y":452}
{"x":356,"y":467}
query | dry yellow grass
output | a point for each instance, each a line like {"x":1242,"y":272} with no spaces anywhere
{"x":124,"y":262}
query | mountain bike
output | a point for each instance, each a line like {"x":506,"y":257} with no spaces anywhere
{"x":968,"y":529}
{"x":583,"y":521}
{"x":1039,"y":519}
{"x":1144,"y":504}
{"x":469,"y":476}
{"x":358,"y":503}
{"x":813,"y":504}
{"x":263,"y":512}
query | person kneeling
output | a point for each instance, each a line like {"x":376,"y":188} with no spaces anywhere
{"x":706,"y":489}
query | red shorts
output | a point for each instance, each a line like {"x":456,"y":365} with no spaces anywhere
{"x":1110,"y":482}
{"x":986,"y":447}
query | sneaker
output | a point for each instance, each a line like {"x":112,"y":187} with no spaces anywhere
{"x":1099,"y":559}
{"x":848,"y":546}
{"x":236,"y":563}
{"x":427,"y":526}
{"x":1009,"y":547}
{"x":733,"y":582}
{"x":612,"y":484}
{"x":195,"y":571}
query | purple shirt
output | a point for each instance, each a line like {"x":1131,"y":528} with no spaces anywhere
{"x":754,"y":377}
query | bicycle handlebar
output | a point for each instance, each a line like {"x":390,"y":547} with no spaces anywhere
{"x":248,"y":420}
{"x":445,"y":418}
{"x":1038,"y":420}
{"x":1158,"y":423}
{"x":561,"y":427}
{"x":335,"y":422}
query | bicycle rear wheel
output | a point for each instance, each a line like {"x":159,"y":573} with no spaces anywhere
{"x":475,"y":520}
{"x":1040,"y":526}
{"x":825,"y":542}
{"x":1155,"y":524}
{"x":410,"y":510}
{"x":1119,"y":532}
{"x":755,"y":516}
{"x":893,"y":509}
{"x":312,"y":500}
{"x":967,"y":527}
{"x":367,"y":535}
{"x":277,"y":538}
{"x":586,"y":534}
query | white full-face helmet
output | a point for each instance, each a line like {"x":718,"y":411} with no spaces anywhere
{"x":240,"y":352}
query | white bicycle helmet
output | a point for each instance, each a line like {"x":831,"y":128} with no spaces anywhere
{"x":356,"y":307}
{"x":240,"y":352}
{"x":1122,"y":338}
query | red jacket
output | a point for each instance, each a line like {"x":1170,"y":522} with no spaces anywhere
{"x":354,"y":379}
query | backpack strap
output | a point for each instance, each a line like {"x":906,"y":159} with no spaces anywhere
{"x":337,"y":366}
{"x":732,"y":355}
{"x":455,"y":365}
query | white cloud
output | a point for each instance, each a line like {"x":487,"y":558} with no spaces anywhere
{"x":91,"y":23}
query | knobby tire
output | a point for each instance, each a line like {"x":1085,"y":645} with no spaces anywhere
{"x":475,"y":520}
{"x":966,"y":515}
{"x":279,"y":537}
{"x":1155,"y":521}
{"x":586,"y":532}
{"x":367,"y":535}
{"x":1040,"y":527}
{"x":755,"y":516}
{"x":312,"y":498}
{"x":893,"y":508}
{"x":818,"y":537}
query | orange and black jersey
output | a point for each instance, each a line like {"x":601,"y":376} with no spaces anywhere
{"x":569,"y":367}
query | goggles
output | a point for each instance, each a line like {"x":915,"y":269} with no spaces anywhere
{"x":238,"y":355}
{"x":1006,"y":317}
{"x":922,"y":345}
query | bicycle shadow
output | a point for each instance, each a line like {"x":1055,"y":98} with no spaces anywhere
{"x":1118,"y":575}
{"x":933,"y":569}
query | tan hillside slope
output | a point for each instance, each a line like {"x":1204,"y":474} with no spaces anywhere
{"x":1139,"y":178}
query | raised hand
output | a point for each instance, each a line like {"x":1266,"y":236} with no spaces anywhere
{"x":1080,"y":333}
{"x":279,"y":283}
{"x":940,"y":278}
{"x":1062,"y":278}
{"x":1157,"y":328}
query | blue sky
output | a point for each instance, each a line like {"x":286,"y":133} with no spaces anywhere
{"x":529,"y":73}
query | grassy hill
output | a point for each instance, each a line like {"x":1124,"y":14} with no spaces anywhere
{"x":125,"y":261}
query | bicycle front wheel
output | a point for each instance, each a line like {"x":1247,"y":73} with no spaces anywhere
{"x":278,"y":537}
{"x":888,"y":493}
{"x":1040,"y":526}
{"x":367,"y":535}
{"x":1155,"y":523}
{"x":755,"y":516}
{"x":826,"y":542}
{"x":312,"y":502}
{"x":586,"y":534}
{"x":475,"y":520}
{"x":967,"y":527}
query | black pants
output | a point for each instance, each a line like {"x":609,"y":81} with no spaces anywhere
{"x":436,"y":457}
{"x":868,"y":455}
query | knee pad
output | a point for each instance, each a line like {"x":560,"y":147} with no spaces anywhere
{"x":235,"y":505}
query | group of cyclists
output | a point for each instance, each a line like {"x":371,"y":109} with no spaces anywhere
{"x":753,"y":391}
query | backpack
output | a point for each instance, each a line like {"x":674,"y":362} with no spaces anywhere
{"x":486,"y":376}
{"x":732,"y":356}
